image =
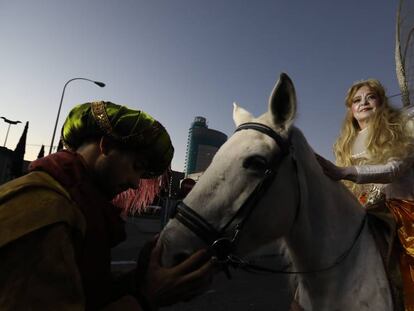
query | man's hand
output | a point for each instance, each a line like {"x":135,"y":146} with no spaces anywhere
{"x":161,"y":286}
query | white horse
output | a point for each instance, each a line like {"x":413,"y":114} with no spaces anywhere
{"x":322,"y":223}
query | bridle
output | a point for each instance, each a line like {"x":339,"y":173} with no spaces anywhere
{"x":221,"y":244}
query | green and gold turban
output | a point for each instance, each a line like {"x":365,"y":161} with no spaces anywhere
{"x":133,"y":129}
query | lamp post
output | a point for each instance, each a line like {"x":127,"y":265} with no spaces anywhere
{"x":100,"y":84}
{"x":10,"y":122}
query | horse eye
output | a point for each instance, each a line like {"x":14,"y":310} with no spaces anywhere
{"x":255,"y":163}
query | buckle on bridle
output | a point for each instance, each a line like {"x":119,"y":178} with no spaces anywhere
{"x":222,"y":248}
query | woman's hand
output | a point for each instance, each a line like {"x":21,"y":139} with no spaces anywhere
{"x":336,"y":172}
{"x":161,"y":286}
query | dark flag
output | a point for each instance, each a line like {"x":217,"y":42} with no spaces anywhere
{"x":18,"y":154}
{"x":41,"y":152}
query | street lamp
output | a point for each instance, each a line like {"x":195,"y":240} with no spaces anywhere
{"x":100,"y":84}
{"x":10,"y":122}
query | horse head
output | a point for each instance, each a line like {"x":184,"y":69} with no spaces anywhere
{"x":239,"y":171}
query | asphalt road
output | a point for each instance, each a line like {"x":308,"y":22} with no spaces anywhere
{"x":244,"y":292}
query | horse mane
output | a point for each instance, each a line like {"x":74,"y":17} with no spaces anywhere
{"x":337,"y":203}
{"x":309,"y":165}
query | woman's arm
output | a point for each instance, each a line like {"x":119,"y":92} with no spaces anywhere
{"x":382,"y":173}
{"x":364,"y":174}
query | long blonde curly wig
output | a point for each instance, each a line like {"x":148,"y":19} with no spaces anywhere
{"x":387,"y":136}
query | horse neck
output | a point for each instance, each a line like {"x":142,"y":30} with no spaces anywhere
{"x":327,"y":224}
{"x":328,"y":213}
{"x":328,"y":219}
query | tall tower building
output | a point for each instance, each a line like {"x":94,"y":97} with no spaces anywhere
{"x":202,"y":145}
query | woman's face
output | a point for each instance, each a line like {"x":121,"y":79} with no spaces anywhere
{"x":364,"y":104}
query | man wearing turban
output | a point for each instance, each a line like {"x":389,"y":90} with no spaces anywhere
{"x":58,"y":225}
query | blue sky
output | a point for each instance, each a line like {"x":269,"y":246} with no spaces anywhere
{"x":177,"y":59}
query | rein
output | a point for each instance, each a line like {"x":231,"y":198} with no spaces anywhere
{"x":223,"y":246}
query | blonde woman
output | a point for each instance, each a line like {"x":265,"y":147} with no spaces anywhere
{"x":375,"y":157}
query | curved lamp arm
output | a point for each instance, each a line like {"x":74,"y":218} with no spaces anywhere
{"x":98,"y":83}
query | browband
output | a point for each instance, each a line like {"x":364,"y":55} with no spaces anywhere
{"x":281,"y":142}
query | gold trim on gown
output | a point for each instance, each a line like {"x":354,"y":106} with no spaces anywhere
{"x":403,"y":212}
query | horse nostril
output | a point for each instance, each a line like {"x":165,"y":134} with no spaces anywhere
{"x":180,"y":258}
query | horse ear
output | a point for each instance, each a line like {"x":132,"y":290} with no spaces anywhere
{"x":282,"y":102}
{"x":241,"y":115}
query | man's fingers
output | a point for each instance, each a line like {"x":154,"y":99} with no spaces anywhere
{"x":191,"y":285}
{"x":200,"y":277}
{"x":144,"y":257}
{"x":193,"y":262}
{"x":155,"y":258}
{"x":186,"y":280}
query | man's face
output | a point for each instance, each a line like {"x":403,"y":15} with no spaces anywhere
{"x":117,"y":171}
